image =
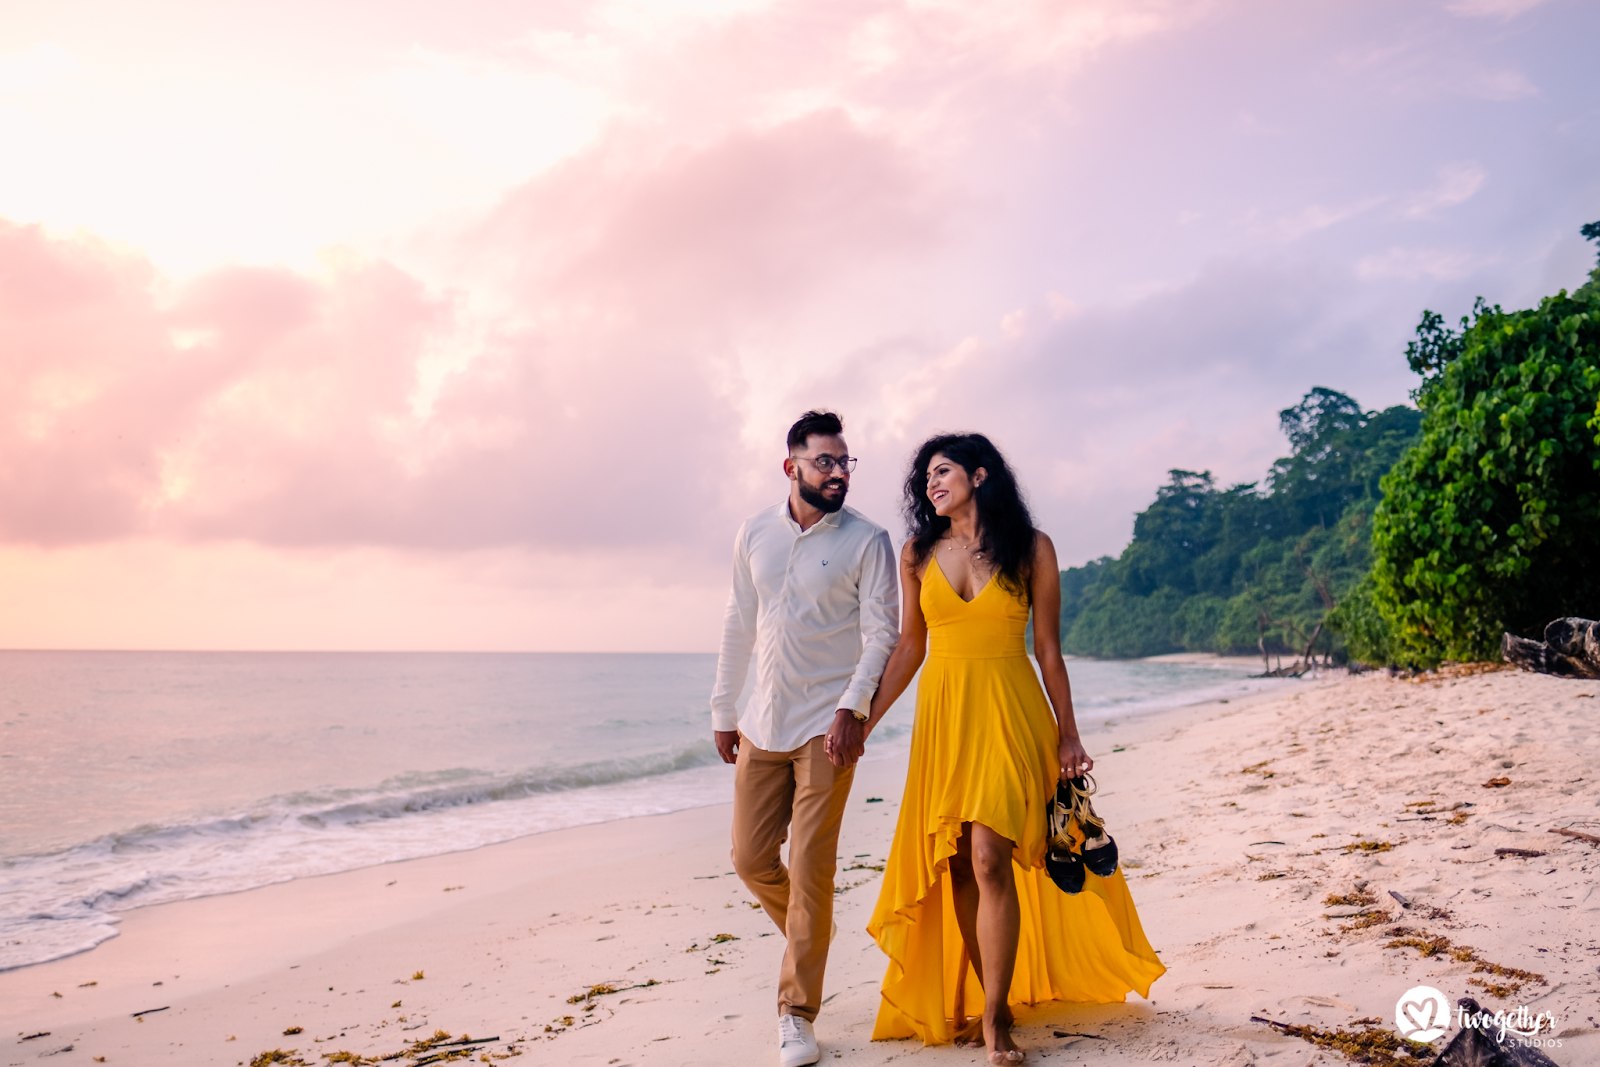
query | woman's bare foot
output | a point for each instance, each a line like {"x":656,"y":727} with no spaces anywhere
{"x":1003,"y":1052}
{"x":969,"y":1034}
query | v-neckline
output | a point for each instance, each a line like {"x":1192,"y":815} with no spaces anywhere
{"x":951,"y":585}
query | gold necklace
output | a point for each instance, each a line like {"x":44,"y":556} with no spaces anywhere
{"x":973,"y":548}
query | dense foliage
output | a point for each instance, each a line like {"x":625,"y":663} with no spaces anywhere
{"x":1246,"y":569}
{"x":1489,"y":523}
{"x":1402,"y":536}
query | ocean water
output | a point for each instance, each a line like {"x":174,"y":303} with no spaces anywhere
{"x":136,"y":778}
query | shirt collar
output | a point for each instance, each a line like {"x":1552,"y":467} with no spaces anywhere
{"x":831,"y":520}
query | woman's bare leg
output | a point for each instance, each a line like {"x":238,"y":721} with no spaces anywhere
{"x":964,"y":895}
{"x":999,"y":922}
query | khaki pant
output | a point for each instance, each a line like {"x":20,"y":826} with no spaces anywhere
{"x":801,"y":796}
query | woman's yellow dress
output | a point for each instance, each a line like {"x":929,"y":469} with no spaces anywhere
{"x":984,"y":749}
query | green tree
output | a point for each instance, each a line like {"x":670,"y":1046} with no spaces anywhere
{"x":1317,"y":420}
{"x":1367,"y":633}
{"x":1341,"y":452}
{"x":1246,"y":569}
{"x":1437,"y":345}
{"x":1488,"y":523}
{"x":1171,"y":534}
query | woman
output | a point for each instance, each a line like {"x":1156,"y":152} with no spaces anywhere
{"x":964,"y":881}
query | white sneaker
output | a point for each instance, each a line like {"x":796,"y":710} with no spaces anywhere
{"x":797,"y":1044}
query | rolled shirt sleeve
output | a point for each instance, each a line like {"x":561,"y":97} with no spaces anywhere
{"x":880,"y":622}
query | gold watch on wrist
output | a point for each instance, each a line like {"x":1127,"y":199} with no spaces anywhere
{"x":858,"y":716}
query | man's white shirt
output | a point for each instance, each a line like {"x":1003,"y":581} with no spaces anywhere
{"x":815,"y":610}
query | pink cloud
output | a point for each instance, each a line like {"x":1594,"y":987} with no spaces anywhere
{"x":76,"y":325}
{"x":270,"y":406}
{"x":1094,"y":406}
{"x":752,"y":223}
{"x":128,"y":413}
{"x":832,"y":203}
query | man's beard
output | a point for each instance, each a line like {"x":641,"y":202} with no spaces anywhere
{"x":825,"y":504}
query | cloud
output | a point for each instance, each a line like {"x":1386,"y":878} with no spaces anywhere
{"x":76,"y":327}
{"x":1314,"y":218}
{"x":590,"y":260}
{"x":1498,"y":9}
{"x":1503,"y":84}
{"x":1412,"y":264}
{"x":126,"y":409}
{"x":745,"y":226}
{"x":1093,"y":406}
{"x":1435,"y":66}
{"x":362,"y":406}
{"x":286,"y":415}
{"x":1457,"y":183}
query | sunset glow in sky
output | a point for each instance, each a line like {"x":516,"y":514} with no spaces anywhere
{"x":478,"y":326}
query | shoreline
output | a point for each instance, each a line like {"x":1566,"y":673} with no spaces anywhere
{"x":112,"y":859}
{"x":1234,"y":819}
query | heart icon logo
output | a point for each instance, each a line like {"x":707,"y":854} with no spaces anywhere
{"x":1422,"y":1014}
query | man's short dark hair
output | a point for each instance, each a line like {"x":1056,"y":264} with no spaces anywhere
{"x":825,"y":423}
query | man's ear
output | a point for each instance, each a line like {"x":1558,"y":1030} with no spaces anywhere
{"x":789,"y":466}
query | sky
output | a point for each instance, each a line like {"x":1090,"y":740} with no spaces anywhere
{"x":389,"y":324}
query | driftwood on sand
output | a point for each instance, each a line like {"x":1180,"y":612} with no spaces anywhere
{"x":1571,"y":649}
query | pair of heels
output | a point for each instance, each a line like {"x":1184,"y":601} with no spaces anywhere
{"x":1078,"y":841}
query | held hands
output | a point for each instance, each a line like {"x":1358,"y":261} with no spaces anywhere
{"x":1075,"y":761}
{"x":845,"y":740}
{"x":727,"y":744}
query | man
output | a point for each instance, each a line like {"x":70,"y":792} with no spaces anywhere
{"x":813,"y":603}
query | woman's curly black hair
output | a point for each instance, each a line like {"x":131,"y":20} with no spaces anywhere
{"x":1005,"y":525}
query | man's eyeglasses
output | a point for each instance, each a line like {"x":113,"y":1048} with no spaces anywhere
{"x":826,"y":463}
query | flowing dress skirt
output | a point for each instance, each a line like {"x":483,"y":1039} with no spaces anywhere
{"x":984,"y":749}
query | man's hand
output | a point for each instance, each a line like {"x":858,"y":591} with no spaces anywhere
{"x":727,"y":744}
{"x":846,"y":739}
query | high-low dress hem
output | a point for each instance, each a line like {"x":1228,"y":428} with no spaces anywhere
{"x":983,"y":750}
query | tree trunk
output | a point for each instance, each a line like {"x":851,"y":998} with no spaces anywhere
{"x":1305,"y":657}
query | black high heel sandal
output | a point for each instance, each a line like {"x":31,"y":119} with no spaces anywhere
{"x":1100,"y":855}
{"x":1065,"y":869}
{"x":1072,"y":810}
{"x":1062,"y":861}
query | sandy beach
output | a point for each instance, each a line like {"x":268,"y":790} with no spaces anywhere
{"x":1305,"y":855}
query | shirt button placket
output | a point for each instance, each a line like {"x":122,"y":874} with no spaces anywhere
{"x":781,"y":695}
